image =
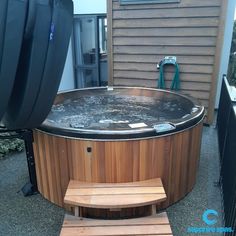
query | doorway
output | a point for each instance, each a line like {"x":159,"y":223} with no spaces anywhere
{"x":90,"y":50}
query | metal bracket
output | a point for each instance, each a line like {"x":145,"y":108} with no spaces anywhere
{"x":170,"y":59}
{"x":167,"y":60}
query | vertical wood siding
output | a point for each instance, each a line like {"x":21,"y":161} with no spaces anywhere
{"x":143,"y":34}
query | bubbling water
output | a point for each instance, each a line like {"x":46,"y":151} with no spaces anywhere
{"x":103,"y":111}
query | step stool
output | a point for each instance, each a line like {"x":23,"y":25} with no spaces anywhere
{"x":115,"y":196}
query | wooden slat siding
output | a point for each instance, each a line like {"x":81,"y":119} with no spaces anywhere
{"x":191,"y":30}
{"x":56,"y":166}
{"x":148,"y":183}
{"x":165,"y":50}
{"x":149,"y":75}
{"x":151,"y":67}
{"x":184,"y":162}
{"x":194,"y":60}
{"x":165,"y":32}
{"x":167,"y":23}
{"x":190,"y":88}
{"x":70,"y":161}
{"x":64,"y":165}
{"x":107,"y":202}
{"x":118,"y":230}
{"x":163,"y":13}
{"x":162,"y":41}
{"x":88,"y":163}
{"x":118,"y":195}
{"x":185,"y":85}
{"x":182,"y":3}
{"x":149,"y":158}
{"x":194,"y":162}
{"x":155,"y":225}
{"x":44,"y":169}
{"x":50,"y":166}
{"x":193,"y":85}
{"x":72,"y":221}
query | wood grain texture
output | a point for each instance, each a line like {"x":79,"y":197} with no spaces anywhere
{"x":195,"y":70}
{"x":173,"y":158}
{"x":163,"y":41}
{"x":167,"y":13}
{"x":143,"y":34}
{"x":152,"y":75}
{"x":168,"y":23}
{"x":181,"y":4}
{"x":116,"y":195}
{"x":165,"y":32}
{"x":154,"y":225}
{"x":182,"y":59}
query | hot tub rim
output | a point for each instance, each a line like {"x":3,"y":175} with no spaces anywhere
{"x":121,"y":139}
{"x":140,"y":133}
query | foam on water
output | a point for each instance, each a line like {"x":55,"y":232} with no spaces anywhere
{"x":102,"y":111}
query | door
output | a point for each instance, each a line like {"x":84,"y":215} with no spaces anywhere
{"x":86,"y":51}
{"x":90,"y":52}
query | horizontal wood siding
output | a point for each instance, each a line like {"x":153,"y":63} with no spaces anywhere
{"x":167,"y":23}
{"x":143,"y":34}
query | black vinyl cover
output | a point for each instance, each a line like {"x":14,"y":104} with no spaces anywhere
{"x":12,"y":22}
{"x":41,"y":64}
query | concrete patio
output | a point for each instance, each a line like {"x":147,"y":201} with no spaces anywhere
{"x":34,"y":215}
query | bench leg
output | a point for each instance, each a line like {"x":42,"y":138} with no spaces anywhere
{"x":153,"y":210}
{"x":78,"y":211}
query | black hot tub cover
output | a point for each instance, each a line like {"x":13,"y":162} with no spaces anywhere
{"x":41,"y":63}
{"x":12,"y":20}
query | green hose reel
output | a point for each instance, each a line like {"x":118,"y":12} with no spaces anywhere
{"x":175,"y":85}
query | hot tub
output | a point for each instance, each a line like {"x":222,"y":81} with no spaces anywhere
{"x":119,"y":134}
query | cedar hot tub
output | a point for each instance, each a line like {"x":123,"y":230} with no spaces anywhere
{"x":119,"y":134}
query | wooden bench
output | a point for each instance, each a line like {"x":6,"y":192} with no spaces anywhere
{"x":151,"y":225}
{"x":114,"y":196}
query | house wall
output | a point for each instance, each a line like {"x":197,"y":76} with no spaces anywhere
{"x":141,"y":35}
{"x":80,"y":7}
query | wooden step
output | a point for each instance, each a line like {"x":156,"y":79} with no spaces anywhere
{"x":115,"y":195}
{"x":151,"y":225}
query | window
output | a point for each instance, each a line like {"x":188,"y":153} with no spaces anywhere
{"x":123,"y":2}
